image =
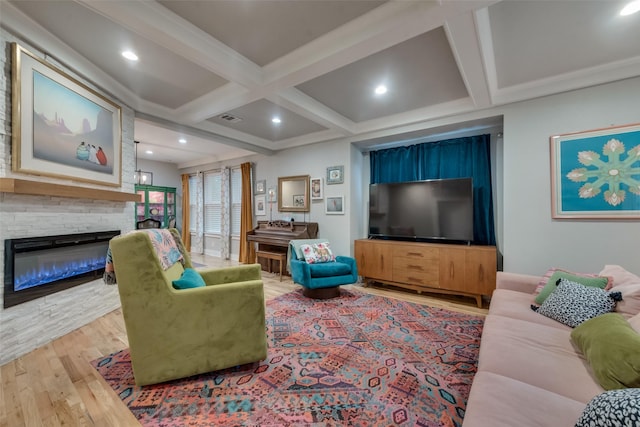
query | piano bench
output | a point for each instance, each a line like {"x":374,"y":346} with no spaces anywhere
{"x":281,"y":257}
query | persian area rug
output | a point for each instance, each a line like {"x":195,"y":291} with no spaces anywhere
{"x":356,"y":360}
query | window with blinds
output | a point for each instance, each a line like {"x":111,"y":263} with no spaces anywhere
{"x":193,"y":203}
{"x":236,"y":200}
{"x":212,"y":202}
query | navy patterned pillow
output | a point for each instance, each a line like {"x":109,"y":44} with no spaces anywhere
{"x":612,"y":408}
{"x":572,"y":303}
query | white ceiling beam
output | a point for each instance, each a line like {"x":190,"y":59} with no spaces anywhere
{"x":312,"y":138}
{"x":383,"y":27}
{"x":463,"y":38}
{"x":450,"y":108}
{"x":236,"y":134}
{"x":202,"y":133}
{"x":586,"y":77}
{"x":485,"y":41}
{"x":153,"y":21}
{"x":294,"y":100}
{"x":216,"y":102}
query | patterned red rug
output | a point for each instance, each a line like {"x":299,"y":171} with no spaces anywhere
{"x":356,"y":360}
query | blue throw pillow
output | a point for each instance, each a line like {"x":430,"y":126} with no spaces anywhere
{"x":189,"y":279}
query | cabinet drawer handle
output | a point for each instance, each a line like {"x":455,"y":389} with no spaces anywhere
{"x":415,"y":254}
{"x":451,"y":270}
{"x":481,"y":273}
{"x":414,"y":267}
{"x":413,"y":279}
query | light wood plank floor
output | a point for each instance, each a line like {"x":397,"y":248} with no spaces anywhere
{"x":56,"y":386}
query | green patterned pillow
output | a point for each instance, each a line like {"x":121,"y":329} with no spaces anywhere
{"x":595,"y":282}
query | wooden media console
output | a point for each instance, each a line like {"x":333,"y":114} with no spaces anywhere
{"x":468,"y":270}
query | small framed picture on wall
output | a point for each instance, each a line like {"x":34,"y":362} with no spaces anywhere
{"x":316,"y":188}
{"x":261,"y":186}
{"x":261,"y":208}
{"x":334,"y":205}
{"x":335,"y":174}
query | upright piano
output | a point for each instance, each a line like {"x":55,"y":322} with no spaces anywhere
{"x":274,"y":236}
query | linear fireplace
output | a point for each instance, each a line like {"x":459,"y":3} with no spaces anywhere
{"x":39,"y":266}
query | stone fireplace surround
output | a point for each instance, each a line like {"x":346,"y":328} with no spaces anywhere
{"x":33,"y":324}
{"x":29,"y":325}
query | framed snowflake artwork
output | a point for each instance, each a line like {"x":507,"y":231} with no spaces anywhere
{"x":596,"y":173}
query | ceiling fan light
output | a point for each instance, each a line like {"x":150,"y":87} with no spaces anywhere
{"x":630,"y":8}
{"x":276,"y":120}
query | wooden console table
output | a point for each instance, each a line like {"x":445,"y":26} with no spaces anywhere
{"x":468,"y":270}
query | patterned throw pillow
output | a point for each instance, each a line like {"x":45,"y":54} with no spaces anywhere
{"x":572,"y":303}
{"x":317,"y":253}
{"x":612,"y":408}
{"x":548,"y":282}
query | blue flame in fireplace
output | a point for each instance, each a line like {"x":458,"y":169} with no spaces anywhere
{"x":55,"y":272}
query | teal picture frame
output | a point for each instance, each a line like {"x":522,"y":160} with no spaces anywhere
{"x":595,"y":174}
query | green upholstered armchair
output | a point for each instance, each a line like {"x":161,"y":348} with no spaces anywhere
{"x":178,"y":333}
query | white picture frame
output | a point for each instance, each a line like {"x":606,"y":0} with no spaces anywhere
{"x":316,"y":189}
{"x":261,"y":205}
{"x":334,"y":205}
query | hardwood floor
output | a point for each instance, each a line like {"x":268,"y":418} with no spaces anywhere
{"x":55,"y":385}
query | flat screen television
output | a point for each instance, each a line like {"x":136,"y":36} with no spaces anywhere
{"x":439,"y":210}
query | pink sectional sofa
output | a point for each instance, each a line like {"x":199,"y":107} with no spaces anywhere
{"x":529,"y":372}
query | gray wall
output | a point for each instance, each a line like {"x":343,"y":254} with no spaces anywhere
{"x":533,"y":241}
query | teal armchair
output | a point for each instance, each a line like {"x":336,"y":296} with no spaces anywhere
{"x":321,"y":280}
{"x":176,"y":333}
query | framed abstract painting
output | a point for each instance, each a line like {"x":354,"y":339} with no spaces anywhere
{"x":61,"y":127}
{"x":596,"y":174}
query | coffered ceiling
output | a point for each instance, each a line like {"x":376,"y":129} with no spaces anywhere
{"x":217,"y":72}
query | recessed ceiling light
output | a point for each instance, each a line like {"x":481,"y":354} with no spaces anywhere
{"x":631,"y":8}
{"x":381,"y":90}
{"x":182,"y":141}
{"x":276,"y":120}
{"x":130,"y":55}
{"x":149,"y":152}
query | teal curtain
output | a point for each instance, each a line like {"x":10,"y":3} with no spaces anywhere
{"x":452,"y":158}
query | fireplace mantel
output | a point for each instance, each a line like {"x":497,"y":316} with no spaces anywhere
{"x":38,"y":188}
